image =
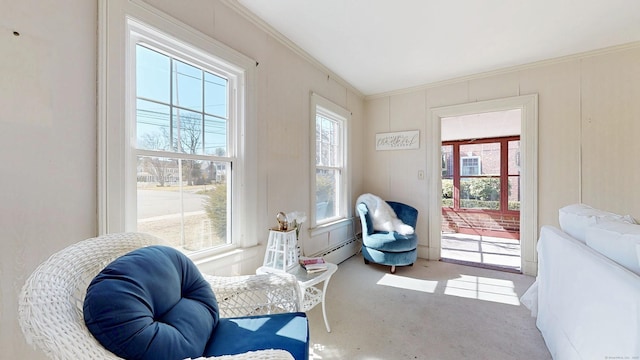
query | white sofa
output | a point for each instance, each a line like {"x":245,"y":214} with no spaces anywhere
{"x":588,"y":304}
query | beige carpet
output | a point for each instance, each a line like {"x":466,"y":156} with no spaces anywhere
{"x":432,"y":310}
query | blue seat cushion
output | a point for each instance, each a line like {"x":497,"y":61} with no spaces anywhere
{"x":289,"y":331}
{"x":151,"y":303}
{"x":390,"y":241}
{"x":390,"y":258}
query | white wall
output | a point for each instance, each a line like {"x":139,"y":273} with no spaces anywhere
{"x":47,"y":142}
{"x":589,"y":121}
{"x":48,"y":131}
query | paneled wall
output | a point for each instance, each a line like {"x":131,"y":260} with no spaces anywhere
{"x":588,"y":123}
{"x":48,"y":133}
{"x":47,"y":143}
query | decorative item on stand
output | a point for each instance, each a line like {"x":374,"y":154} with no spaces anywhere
{"x":282,"y":251}
{"x":296,"y":219}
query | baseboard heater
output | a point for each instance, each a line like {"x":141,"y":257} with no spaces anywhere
{"x":340,"y":252}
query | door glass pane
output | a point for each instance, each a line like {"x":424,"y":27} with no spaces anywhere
{"x":183,"y":201}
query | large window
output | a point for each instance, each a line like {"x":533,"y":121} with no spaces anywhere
{"x":488,"y":176}
{"x":176,"y":148}
{"x":330,"y":178}
{"x":183,"y":167}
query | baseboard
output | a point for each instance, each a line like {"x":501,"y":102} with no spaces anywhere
{"x":341,"y":252}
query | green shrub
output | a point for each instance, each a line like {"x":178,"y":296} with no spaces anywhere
{"x":478,"y":193}
{"x":216,"y":208}
{"x":447,"y":188}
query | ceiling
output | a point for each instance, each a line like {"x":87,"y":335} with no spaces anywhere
{"x":379,"y":46}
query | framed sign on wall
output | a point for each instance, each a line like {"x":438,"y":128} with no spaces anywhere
{"x":402,"y":140}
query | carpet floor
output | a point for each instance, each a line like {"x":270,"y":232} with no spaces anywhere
{"x":431,"y":310}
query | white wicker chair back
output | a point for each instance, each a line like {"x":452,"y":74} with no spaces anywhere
{"x":51,"y":301}
{"x":50,"y":310}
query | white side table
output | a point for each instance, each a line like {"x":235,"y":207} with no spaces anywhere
{"x":312,"y":295}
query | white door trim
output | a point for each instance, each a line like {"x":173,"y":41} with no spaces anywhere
{"x":528,"y":104}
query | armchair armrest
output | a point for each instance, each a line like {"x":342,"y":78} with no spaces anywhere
{"x":255,"y":294}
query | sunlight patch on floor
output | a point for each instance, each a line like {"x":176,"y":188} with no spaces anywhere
{"x":321,"y":352}
{"x":482,"y":288}
{"x":408,"y":283}
{"x":315,"y":350}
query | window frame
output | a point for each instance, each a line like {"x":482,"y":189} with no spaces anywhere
{"x":328,"y":109}
{"x":478,"y":166}
{"x":504,"y":175}
{"x":121,"y":22}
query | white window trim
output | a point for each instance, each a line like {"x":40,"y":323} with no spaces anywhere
{"x":462,"y":167}
{"x":344,"y":208}
{"x":117,"y":17}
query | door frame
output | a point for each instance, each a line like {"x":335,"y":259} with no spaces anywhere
{"x":528,"y":104}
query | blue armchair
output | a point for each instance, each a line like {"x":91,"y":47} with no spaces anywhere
{"x":389,"y":248}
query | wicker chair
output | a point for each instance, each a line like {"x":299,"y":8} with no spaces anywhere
{"x":51,"y":302}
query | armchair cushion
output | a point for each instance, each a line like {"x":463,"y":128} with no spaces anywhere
{"x":390,"y":241}
{"x":151,"y":303}
{"x":287,"y":331}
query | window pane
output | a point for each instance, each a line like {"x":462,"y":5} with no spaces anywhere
{"x":187,"y":131}
{"x":215,"y":95}
{"x":447,"y":175}
{"x":480,"y":193}
{"x":152,"y":126}
{"x":514,"y":157}
{"x":480,"y":159}
{"x":327,"y":142}
{"x":326,"y":190}
{"x":447,"y":161}
{"x":187,"y":86}
{"x":183,"y":201}
{"x":514,"y":193}
{"x":215,"y":136}
{"x":447,"y":192}
{"x":152,"y":75}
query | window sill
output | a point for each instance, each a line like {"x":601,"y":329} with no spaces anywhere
{"x":321,"y":229}
{"x":221,"y":262}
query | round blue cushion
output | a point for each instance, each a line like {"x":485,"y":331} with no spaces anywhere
{"x":151,"y":303}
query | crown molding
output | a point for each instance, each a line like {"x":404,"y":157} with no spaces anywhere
{"x":270,"y":30}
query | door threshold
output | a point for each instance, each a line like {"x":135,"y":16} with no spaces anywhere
{"x":515,"y":270}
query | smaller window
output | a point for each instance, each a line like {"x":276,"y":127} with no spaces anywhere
{"x":470,"y":165}
{"x":329,"y":179}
